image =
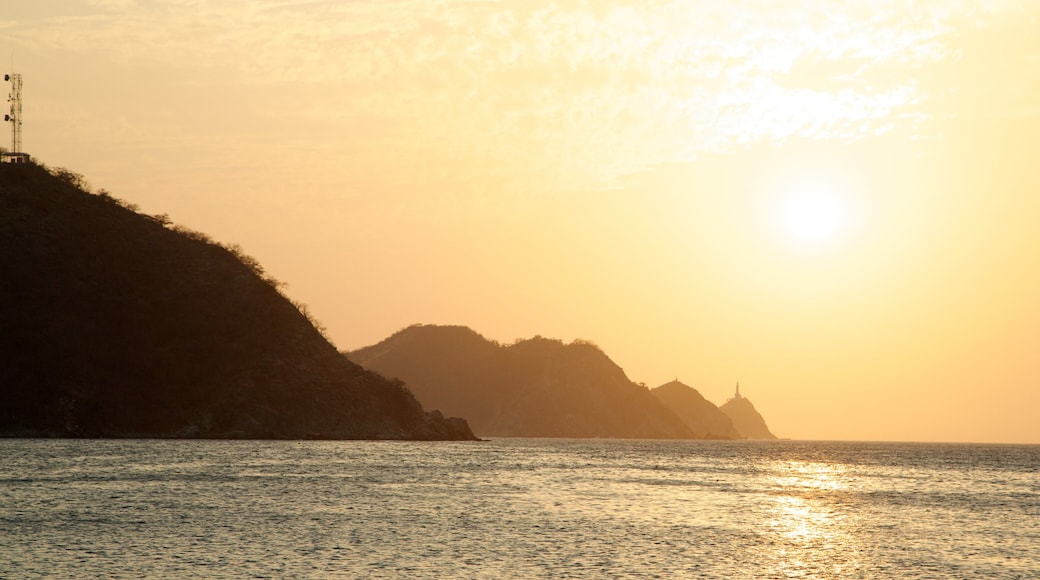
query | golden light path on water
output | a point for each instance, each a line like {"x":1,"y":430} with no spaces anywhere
{"x":790,"y":517}
{"x":804,"y":516}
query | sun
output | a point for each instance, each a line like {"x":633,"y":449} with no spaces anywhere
{"x":814,"y":216}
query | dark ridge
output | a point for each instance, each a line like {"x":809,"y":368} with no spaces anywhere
{"x":117,"y":324}
{"x":538,"y":387}
{"x":700,"y":414}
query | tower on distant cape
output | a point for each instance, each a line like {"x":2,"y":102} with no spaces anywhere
{"x":14,"y":116}
{"x":737,"y":395}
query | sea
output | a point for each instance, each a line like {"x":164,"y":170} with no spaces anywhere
{"x":517,"y":508}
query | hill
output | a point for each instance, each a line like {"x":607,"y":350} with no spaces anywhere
{"x":533,"y":388}
{"x":745,"y":418}
{"x":700,"y":414}
{"x":117,"y":324}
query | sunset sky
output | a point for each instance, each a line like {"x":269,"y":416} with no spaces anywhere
{"x":836,"y":204}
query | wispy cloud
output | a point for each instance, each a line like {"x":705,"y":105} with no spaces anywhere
{"x":544,"y":94}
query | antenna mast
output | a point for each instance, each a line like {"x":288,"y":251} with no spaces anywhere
{"x":15,"y":118}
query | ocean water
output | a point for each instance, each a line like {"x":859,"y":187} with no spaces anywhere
{"x":517,"y":508}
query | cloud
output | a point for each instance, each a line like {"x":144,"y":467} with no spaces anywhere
{"x":111,"y":4}
{"x":550,"y":95}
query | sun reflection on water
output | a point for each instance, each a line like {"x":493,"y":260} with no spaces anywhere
{"x":805,"y":517}
{"x":809,"y":475}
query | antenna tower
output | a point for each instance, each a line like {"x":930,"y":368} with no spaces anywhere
{"x":15,"y":116}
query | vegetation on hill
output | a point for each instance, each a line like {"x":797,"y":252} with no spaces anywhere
{"x":117,"y":324}
{"x":533,"y":388}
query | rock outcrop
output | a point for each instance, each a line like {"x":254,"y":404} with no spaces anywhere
{"x":117,"y":324}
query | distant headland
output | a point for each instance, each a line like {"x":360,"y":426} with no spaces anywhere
{"x":542,"y":387}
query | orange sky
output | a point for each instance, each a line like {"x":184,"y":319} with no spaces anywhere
{"x":622,"y":172}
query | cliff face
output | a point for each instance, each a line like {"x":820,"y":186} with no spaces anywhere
{"x":700,"y":415}
{"x":534,"y":388}
{"x":117,"y":324}
{"x":746,"y":419}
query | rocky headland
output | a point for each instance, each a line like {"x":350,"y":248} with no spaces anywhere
{"x":118,"y":324}
{"x":537,"y":387}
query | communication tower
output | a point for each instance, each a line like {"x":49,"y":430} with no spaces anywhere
{"x":15,"y":118}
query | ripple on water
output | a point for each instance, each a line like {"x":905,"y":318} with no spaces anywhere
{"x":517,"y":508}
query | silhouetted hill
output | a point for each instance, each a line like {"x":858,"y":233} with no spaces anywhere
{"x":745,"y":418}
{"x":534,"y":388}
{"x":700,"y":414}
{"x":116,"y":324}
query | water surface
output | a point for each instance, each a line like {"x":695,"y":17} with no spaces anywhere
{"x":524,"y":508}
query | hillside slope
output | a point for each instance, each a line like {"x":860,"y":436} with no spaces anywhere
{"x":700,"y":414}
{"x":746,"y":418}
{"x":116,"y":324}
{"x":534,"y":388}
